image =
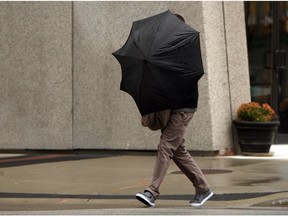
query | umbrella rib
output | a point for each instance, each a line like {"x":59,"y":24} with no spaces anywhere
{"x":162,"y":20}
{"x":155,"y":23}
{"x":139,"y":49}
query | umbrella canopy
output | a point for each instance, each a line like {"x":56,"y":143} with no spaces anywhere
{"x":161,"y":63}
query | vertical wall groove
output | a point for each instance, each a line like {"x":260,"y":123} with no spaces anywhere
{"x":72,"y":71}
{"x":227,"y":59}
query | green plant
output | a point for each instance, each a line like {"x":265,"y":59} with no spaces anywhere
{"x":252,"y":111}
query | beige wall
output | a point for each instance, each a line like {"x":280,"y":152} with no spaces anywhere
{"x":72,"y":89}
{"x":35,"y":75}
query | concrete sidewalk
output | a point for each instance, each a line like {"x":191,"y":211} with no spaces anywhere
{"x":106,"y":183}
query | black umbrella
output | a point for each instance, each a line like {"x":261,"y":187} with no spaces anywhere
{"x":161,"y":63}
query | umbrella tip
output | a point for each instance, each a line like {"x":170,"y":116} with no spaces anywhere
{"x":180,"y":17}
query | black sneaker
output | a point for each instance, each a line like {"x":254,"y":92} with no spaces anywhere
{"x":147,"y":198}
{"x":200,"y":199}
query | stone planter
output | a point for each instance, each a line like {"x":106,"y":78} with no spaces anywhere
{"x":255,"y":137}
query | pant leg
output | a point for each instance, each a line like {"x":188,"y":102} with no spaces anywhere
{"x":189,"y":167}
{"x":170,"y":140}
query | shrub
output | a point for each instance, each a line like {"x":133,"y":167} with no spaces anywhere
{"x":252,"y":111}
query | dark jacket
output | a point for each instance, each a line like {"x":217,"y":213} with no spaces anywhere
{"x":190,"y":105}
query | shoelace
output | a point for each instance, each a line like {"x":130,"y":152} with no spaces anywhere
{"x":148,"y":194}
{"x":196,"y":198}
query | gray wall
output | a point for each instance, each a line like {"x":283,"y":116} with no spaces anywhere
{"x":60,"y":83}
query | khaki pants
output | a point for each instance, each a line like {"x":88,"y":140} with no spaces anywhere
{"x":172,"y":147}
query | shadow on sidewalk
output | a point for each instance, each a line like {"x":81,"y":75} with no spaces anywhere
{"x":46,"y":156}
{"x":31,"y":159}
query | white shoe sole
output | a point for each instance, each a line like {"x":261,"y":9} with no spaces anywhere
{"x":144,"y":200}
{"x":203,"y":201}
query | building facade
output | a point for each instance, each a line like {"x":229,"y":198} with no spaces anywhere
{"x":60,"y":83}
{"x":267,"y":42}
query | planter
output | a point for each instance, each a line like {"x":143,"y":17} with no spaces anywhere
{"x":256,"y":137}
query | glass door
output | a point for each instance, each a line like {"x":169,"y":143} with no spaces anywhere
{"x":281,"y":60}
{"x":267,"y":41}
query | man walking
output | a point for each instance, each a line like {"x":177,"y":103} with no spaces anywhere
{"x":172,"y":146}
